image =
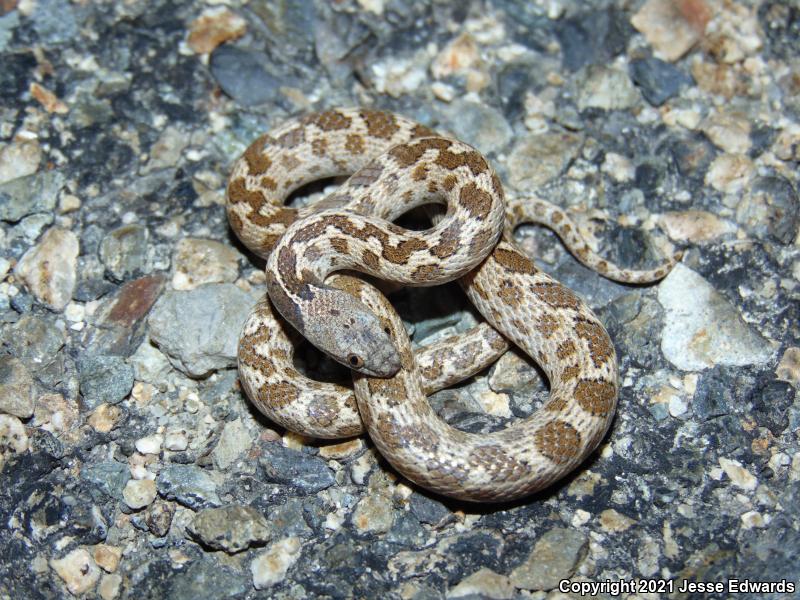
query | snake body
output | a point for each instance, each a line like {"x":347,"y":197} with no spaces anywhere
{"x":396,"y":164}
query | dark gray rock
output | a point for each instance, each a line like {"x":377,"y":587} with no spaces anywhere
{"x":430,"y":511}
{"x":206,"y":580}
{"x":308,"y":474}
{"x":189,"y":485}
{"x":25,"y":196}
{"x":104,"y":379}
{"x":109,"y":477}
{"x":34,"y":340}
{"x":593,"y":37}
{"x":243,"y":76}
{"x":658,"y":80}
{"x":783,"y":206}
{"x":230,"y":528}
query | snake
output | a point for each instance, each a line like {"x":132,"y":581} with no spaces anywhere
{"x":395,"y":164}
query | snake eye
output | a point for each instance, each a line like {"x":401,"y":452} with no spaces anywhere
{"x":387,"y":331}
{"x":355,"y":361}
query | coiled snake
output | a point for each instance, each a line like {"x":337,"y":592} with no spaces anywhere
{"x":394,"y":165}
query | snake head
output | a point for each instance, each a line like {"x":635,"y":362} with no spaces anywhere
{"x":350,"y":333}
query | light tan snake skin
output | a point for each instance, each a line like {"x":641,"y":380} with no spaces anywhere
{"x":395,"y":165}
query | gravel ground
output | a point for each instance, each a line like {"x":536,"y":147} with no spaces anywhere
{"x":131,"y":464}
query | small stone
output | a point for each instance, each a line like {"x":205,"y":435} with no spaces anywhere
{"x":483,"y":583}
{"x":167,"y":150}
{"x":270,"y":567}
{"x":17,"y":388}
{"x":19,"y":159}
{"x":512,"y":372}
{"x":176,"y":441}
{"x":33,"y":340}
{"x":110,"y":586}
{"x":590,"y":37}
{"x":230,"y":528}
{"x":77,"y":570}
{"x":657,"y":80}
{"x":695,"y":226}
{"x":139,"y":493}
{"x":205,"y":579}
{"x":539,"y":158}
{"x":215,"y":26}
{"x":123,"y":251}
{"x":158,"y":517}
{"x":730,"y":173}
{"x":107,"y":557}
{"x":199,"y":329}
{"x":188,"y":484}
{"x":13,"y":438}
{"x":342,"y":450}
{"x":493,"y":403}
{"x":241,"y":74}
{"x":618,"y":167}
{"x":374,"y":513}
{"x":671,"y":32}
{"x":729,"y":132}
{"x":48,"y":99}
{"x":430,"y":511}
{"x":770,"y":208}
{"x":738,"y":475}
{"x":49,"y":269}
{"x":104,"y":379}
{"x":677,"y":406}
{"x":68,"y":203}
{"x":606,"y":88}
{"x":150,"y":444}
{"x":283,"y":465}
{"x":702,"y":328}
{"x":788,"y":368}
{"x":109,"y":477}
{"x":478,"y":125}
{"x":458,"y":56}
{"x":554,"y":557}
{"x":752,"y":519}
{"x":29,"y":195}
{"x":615,"y":522}
{"x":55,"y":414}
{"x":199,"y":261}
{"x":233,"y":442}
{"x":105,"y":417}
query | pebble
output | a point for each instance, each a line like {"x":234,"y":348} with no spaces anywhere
{"x":49,"y":269}
{"x":478,"y":125}
{"x":342,"y":450}
{"x":166,"y":151}
{"x":230,"y":528}
{"x":618,"y":167}
{"x":109,"y":476}
{"x":666,"y":30}
{"x":738,"y":475}
{"x":308,"y":474}
{"x":770,"y":207}
{"x":150,"y":444}
{"x":374,"y":514}
{"x":216,"y":25}
{"x":606,"y":88}
{"x":483,"y":583}
{"x":188,"y":484}
{"x":730,"y":132}
{"x":615,"y":522}
{"x":702,"y":329}
{"x":158,"y":517}
{"x":77,"y":570}
{"x":206,"y":579}
{"x":591,"y":37}
{"x":13,"y":438}
{"x":730,"y":173}
{"x":553,"y":558}
{"x":512,"y":372}
{"x":788,"y":368}
{"x":176,"y":441}
{"x":55,"y":414}
{"x":107,"y":557}
{"x":104,"y":379}
{"x":123,"y":251}
{"x":458,"y":56}
{"x":270,"y":567}
{"x":539,"y":158}
{"x":199,"y":261}
{"x":29,"y":195}
{"x":33,"y":340}
{"x":694,"y":226}
{"x":110,"y":586}
{"x":241,"y":74}
{"x":19,"y":159}
{"x":139,"y":493}
{"x":657,"y":80}
{"x":17,"y":388}
{"x":105,"y":417}
{"x":199,"y":329}
{"x":233,"y":442}
{"x":429,"y":510}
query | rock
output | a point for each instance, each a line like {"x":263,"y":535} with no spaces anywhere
{"x":241,"y":75}
{"x":694,"y":226}
{"x":109,"y":587}
{"x":788,"y":368}
{"x":189,"y":485}
{"x":158,"y":517}
{"x":19,"y":159}
{"x":671,"y":33}
{"x":104,"y":379}
{"x":614,"y":522}
{"x":430,"y":511}
{"x":176,"y":441}
{"x":167,"y":150}
{"x":34,"y":341}
{"x":270,"y":567}
{"x":49,"y":269}
{"x":478,"y":125}
{"x":730,"y":132}
{"x":701,"y":329}
{"x":592,"y":37}
{"x":730,"y":173}
{"x":738,"y":475}
{"x":13,"y":438}
{"x":199,"y":329}
{"x":283,"y":465}
{"x":770,"y":207}
{"x":17,"y":388}
{"x":139,"y":493}
{"x":105,"y":417}
{"x":49,"y":101}
{"x":374,"y":513}
{"x":554,"y":557}
{"x":233,"y":442}
{"x":215,"y":26}
{"x":29,"y":195}
{"x":483,"y":583}
{"x":230,"y":528}
{"x":289,"y":519}
{"x":512,"y":372}
{"x":123,"y":251}
{"x":109,"y":477}
{"x":657,"y":80}
{"x":150,"y":444}
{"x":457,"y":57}
{"x":342,"y":450}
{"x":77,"y":570}
{"x":537,"y":159}
{"x":206,"y":580}
{"x":606,"y":88}
{"x":107,"y":557}
{"x":199,"y":261}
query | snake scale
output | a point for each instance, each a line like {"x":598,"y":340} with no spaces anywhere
{"x":395,"y":164}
